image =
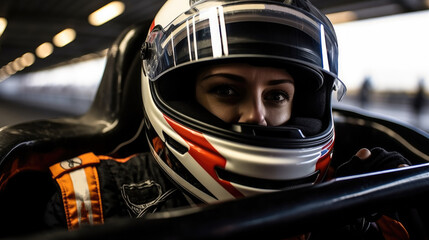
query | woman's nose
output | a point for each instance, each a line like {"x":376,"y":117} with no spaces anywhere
{"x":253,"y":112}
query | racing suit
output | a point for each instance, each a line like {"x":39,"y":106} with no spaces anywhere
{"x":94,"y":189}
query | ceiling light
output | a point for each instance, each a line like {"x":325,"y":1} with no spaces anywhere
{"x":3,"y":24}
{"x":17,"y":65}
{"x":9,"y":69}
{"x":341,"y":17}
{"x":3,"y":74}
{"x":106,"y":13}
{"x":44,"y":50}
{"x":64,"y":37}
{"x":27,"y":59}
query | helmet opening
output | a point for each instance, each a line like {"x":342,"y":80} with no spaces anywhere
{"x":176,"y":89}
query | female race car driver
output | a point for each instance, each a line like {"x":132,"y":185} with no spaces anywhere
{"x":237,"y":100}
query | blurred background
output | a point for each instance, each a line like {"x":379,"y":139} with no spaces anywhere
{"x":52,"y":54}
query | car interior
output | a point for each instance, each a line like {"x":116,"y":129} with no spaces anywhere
{"x":114,"y":126}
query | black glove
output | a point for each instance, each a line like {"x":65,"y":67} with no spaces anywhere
{"x":380,"y":159}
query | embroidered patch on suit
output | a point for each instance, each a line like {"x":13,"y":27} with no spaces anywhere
{"x":144,"y":197}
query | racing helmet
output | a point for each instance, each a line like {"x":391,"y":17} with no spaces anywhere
{"x":214,"y":160}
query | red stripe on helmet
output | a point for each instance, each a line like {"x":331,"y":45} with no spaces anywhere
{"x":204,"y":153}
{"x":152,"y":25}
{"x":324,"y":161}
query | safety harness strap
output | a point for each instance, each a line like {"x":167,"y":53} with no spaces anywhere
{"x":80,"y":190}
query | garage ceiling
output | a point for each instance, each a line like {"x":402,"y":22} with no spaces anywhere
{"x":33,"y":22}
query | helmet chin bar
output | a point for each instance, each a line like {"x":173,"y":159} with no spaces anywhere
{"x":265,"y":183}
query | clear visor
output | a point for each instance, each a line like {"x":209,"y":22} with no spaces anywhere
{"x":215,"y":30}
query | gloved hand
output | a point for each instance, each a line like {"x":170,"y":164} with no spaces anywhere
{"x":366,"y":161}
{"x":371,"y":161}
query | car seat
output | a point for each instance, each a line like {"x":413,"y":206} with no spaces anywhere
{"x":111,"y":126}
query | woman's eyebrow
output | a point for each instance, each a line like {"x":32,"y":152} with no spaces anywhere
{"x":280,"y":81}
{"x":233,"y":77}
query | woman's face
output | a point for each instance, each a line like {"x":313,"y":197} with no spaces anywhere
{"x":243,"y":93}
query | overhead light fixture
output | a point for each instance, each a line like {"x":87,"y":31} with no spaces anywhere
{"x":3,"y":24}
{"x":3,"y":74}
{"x":9,"y":69}
{"x":27,"y":59}
{"x":17,"y":65}
{"x":44,"y":50}
{"x":106,"y":13}
{"x":64,"y":37}
{"x":342,"y":17}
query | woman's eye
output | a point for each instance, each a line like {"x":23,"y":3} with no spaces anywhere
{"x":277,"y":96}
{"x":224,"y":91}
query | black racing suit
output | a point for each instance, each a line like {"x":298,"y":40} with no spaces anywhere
{"x":135,"y":186}
{"x":128,"y":188}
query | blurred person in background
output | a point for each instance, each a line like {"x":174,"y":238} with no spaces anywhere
{"x":418,"y":102}
{"x":365,"y":93}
